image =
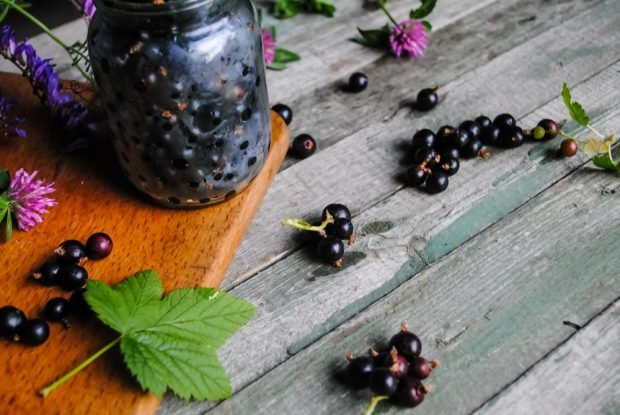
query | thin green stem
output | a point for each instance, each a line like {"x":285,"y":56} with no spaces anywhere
{"x":48,"y":32}
{"x":373,"y":404}
{"x":302,"y":225}
{"x":387,"y":13}
{"x":594,"y":131}
{"x":49,"y":389}
{"x":568,"y":135}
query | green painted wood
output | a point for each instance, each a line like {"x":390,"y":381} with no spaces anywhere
{"x":489,"y":311}
{"x":579,"y":377}
{"x":362,"y":169}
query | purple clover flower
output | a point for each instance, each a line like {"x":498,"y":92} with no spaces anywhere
{"x":86,"y":7}
{"x":44,"y":81}
{"x":9,"y":124}
{"x":408,"y":37}
{"x":28,"y":199}
{"x":269,"y":46}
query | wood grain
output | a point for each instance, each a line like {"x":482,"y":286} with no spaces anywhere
{"x":579,"y":377}
{"x":186,"y":248}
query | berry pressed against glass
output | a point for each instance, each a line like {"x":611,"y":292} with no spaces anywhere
{"x":11,"y":319}
{"x":98,"y":246}
{"x":330,"y":249}
{"x":484,"y":122}
{"x":449,"y":166}
{"x":437,"y":182}
{"x":284,"y":111}
{"x":407,"y":344}
{"x":472,"y":127}
{"x":303,"y":146}
{"x":423,"y":138}
{"x":57,"y":309}
{"x":410,"y":392}
{"x":569,"y":147}
{"x":511,"y":137}
{"x":472,"y":148}
{"x":71,"y":252}
{"x":490,"y":135}
{"x":72,"y":277}
{"x":425,"y":155}
{"x":357,"y":82}
{"x":416,"y":176}
{"x":383,"y":382}
{"x":337,"y":210}
{"x":341,"y":228}
{"x":551,"y":128}
{"x":504,"y":121}
{"x":358,"y":371}
{"x":33,"y":332}
{"x":427,"y":99}
{"x":48,"y":273}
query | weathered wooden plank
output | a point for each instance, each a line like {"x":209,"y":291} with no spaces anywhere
{"x":289,"y":292}
{"x":579,"y":377}
{"x":362,"y":169}
{"x":488,"y":311}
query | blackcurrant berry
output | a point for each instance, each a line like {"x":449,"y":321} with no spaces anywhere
{"x":459,"y":138}
{"x":427,"y":99}
{"x":437,"y":182}
{"x":407,"y":344}
{"x":72,"y":277}
{"x":383,"y":382}
{"x":337,"y":210}
{"x":79,"y":306}
{"x":472,"y":127}
{"x":449,"y":166}
{"x":450,"y":153}
{"x":358,"y":371}
{"x":341,"y":228}
{"x":71,"y":252}
{"x":330,"y":249}
{"x":284,"y":111}
{"x":358,"y":82}
{"x":505,"y":121}
{"x":472,"y":148}
{"x":378,"y":359}
{"x":490,"y":135}
{"x":33,"y":332}
{"x":57,"y":309}
{"x":11,"y":319}
{"x":511,"y":137}
{"x":425,"y":155}
{"x":48,"y":273}
{"x":303,"y":146}
{"x":551,"y":128}
{"x":397,"y":364}
{"x":484,"y":122}
{"x":423,"y":138}
{"x":98,"y":246}
{"x":420,"y":368}
{"x":442,"y":136}
{"x":416,"y":176}
{"x":569,"y":147}
{"x":410,"y":392}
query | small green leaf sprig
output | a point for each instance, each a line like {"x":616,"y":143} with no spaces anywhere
{"x":285,"y":9}
{"x":600,"y":146}
{"x":169,"y":342}
{"x":276,"y":58}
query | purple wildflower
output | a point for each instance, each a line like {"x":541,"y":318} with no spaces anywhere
{"x":44,"y":81}
{"x":269,"y":46}
{"x":9,"y":124}
{"x":86,"y":7}
{"x":28,"y":200}
{"x":409,"y":37}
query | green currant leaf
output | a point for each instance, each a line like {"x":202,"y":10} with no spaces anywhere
{"x":325,"y":7}
{"x":427,"y":25}
{"x":4,"y":12}
{"x":272,"y":29}
{"x":575,"y":110}
{"x":275,"y":66}
{"x":284,"y":9}
{"x":285,"y":56}
{"x":171,"y":342}
{"x":604,"y":161}
{"x":5,"y":180}
{"x":424,"y":10}
{"x":374,"y":38}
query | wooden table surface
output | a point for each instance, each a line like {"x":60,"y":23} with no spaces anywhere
{"x":511,"y":277}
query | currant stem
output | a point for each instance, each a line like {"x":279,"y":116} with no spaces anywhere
{"x":594,"y":131}
{"x":305,"y":226}
{"x":568,"y":135}
{"x":49,"y":389}
{"x":373,"y":404}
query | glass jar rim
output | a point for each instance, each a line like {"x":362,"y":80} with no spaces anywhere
{"x":148,"y":7}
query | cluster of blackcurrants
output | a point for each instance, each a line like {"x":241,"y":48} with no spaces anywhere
{"x":65,"y":270}
{"x":395,"y":373}
{"x":437,"y":155}
{"x":336,"y":227}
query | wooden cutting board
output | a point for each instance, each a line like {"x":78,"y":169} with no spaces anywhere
{"x":187,"y":248}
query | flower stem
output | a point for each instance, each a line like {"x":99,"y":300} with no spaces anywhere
{"x":373,"y":404}
{"x":387,"y":13}
{"x":49,"y":389}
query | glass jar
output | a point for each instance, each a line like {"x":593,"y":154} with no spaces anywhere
{"x":183,"y":87}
